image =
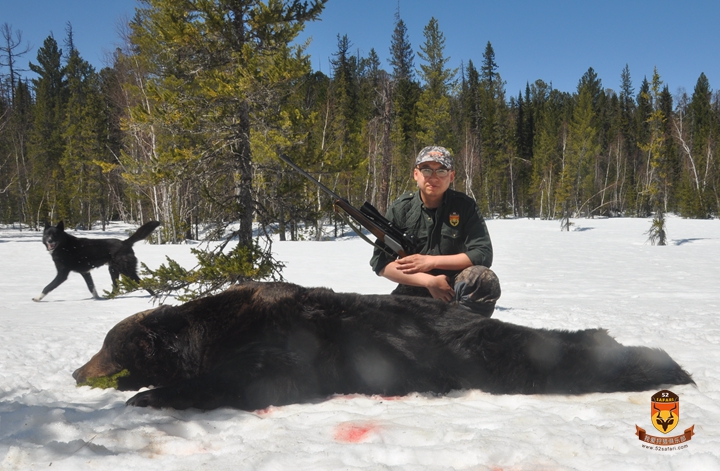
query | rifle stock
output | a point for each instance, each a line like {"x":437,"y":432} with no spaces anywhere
{"x":367,"y":216}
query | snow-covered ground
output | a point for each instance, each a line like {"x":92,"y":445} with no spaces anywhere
{"x":601,"y":274}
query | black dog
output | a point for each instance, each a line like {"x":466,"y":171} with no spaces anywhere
{"x":261,"y":344}
{"x":81,"y":255}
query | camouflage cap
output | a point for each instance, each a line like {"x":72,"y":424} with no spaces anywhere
{"x":435,"y":154}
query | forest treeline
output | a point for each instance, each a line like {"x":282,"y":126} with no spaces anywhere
{"x":185,"y":126}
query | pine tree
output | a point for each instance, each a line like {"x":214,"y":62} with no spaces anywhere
{"x":346,"y":123}
{"x":468,"y":162}
{"x":15,"y":125}
{"x":46,"y":143}
{"x":489,"y":66}
{"x":522,"y":163}
{"x":657,"y":170}
{"x":703,"y":135}
{"x":401,"y":54}
{"x":489,"y":134}
{"x":627,"y":110}
{"x":471,"y":96}
{"x":547,"y":149}
{"x":671,"y":152}
{"x":217,"y":72}
{"x":83,"y":135}
{"x":433,"y":107}
{"x":379,"y":91}
{"x":622,"y":146}
{"x":11,"y":50}
{"x":637,"y":194}
{"x":496,"y":138}
{"x":220,"y":69}
{"x":525,"y":126}
{"x":582,"y":147}
{"x":405,"y":94}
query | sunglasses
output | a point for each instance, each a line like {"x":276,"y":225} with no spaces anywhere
{"x":440,"y":172}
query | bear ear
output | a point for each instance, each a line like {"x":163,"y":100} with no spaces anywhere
{"x":165,"y":320}
{"x":60,"y":226}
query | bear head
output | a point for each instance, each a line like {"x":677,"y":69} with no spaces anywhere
{"x":137,"y":347}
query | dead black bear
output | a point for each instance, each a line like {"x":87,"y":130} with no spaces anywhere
{"x":262,"y":344}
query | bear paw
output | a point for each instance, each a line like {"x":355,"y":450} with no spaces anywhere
{"x":145,"y":399}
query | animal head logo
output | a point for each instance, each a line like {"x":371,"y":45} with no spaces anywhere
{"x":454,"y":219}
{"x":665,"y":410}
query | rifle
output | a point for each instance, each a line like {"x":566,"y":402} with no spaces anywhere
{"x":367,"y":216}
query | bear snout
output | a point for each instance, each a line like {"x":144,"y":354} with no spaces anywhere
{"x":100,"y":365}
{"x":79,"y":376}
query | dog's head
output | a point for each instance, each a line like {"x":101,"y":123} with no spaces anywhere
{"x":52,"y":235}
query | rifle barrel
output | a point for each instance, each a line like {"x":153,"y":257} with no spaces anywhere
{"x":368,"y":216}
{"x":327,"y":190}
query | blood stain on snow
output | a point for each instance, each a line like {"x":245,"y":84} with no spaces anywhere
{"x":389,"y":398}
{"x":265,"y":412}
{"x":354,"y":432}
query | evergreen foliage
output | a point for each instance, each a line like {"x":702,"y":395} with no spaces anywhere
{"x":656,"y":179}
{"x":105,"y":382}
{"x":185,"y":125}
{"x":433,"y":106}
{"x":215,"y":271}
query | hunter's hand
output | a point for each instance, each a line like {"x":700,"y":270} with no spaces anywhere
{"x":440,"y":289}
{"x":415,"y":264}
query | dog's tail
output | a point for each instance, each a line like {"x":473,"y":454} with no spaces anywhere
{"x":143,"y":232}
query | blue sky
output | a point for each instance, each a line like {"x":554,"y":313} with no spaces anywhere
{"x":553,"y":40}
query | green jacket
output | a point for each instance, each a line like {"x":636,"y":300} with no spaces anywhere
{"x":456,"y":226}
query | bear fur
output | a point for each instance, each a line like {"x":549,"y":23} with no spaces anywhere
{"x":262,"y":344}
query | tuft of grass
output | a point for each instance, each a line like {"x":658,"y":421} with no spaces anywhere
{"x":105,"y":382}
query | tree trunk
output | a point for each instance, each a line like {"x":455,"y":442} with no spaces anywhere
{"x":386,"y":144}
{"x":242,"y":169}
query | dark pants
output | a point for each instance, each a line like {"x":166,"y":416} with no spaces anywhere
{"x":477,"y":289}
